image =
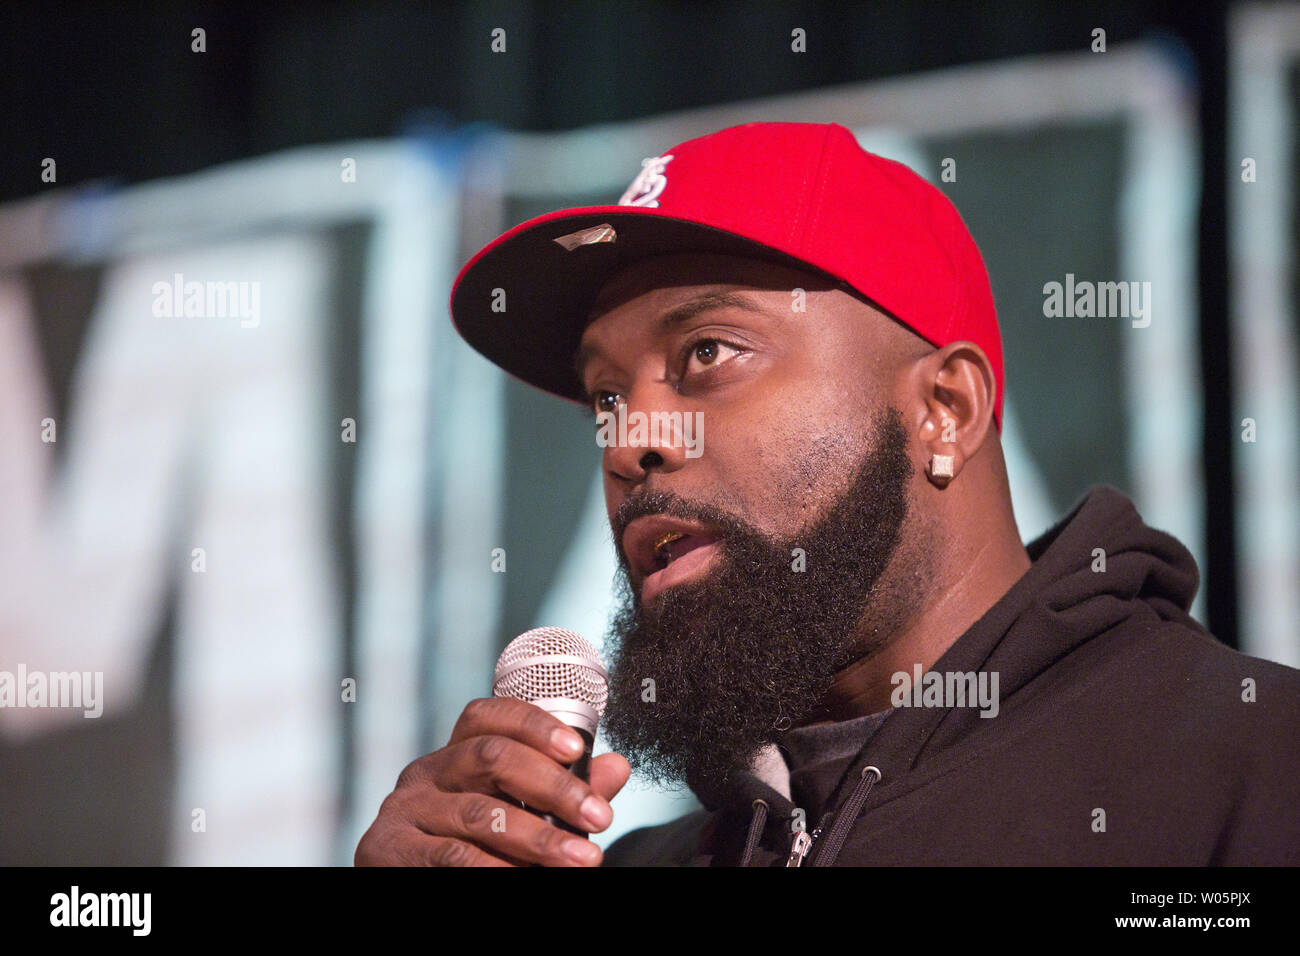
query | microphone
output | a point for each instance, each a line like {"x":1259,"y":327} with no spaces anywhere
{"x":560,"y":672}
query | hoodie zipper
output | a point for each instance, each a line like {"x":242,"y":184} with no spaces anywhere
{"x":803,"y":844}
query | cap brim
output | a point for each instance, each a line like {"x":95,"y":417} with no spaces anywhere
{"x":549,"y":290}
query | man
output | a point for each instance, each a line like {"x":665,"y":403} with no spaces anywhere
{"x":853,"y":658}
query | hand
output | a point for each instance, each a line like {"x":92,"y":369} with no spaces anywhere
{"x":451,"y":807}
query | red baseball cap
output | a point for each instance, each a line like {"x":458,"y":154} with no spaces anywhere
{"x":800,"y":194}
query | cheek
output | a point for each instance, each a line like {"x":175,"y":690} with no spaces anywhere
{"x":806,"y":474}
{"x":789,"y":459}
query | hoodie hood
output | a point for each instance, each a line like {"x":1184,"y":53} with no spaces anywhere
{"x":1059,"y":604}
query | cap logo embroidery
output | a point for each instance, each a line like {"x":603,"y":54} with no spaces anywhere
{"x":649,"y":183}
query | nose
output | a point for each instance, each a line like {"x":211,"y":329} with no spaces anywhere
{"x":651,"y":437}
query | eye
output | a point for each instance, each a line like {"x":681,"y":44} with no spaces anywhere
{"x":605,"y":402}
{"x":709,"y":352}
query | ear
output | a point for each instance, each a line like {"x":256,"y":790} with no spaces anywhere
{"x":955,"y":392}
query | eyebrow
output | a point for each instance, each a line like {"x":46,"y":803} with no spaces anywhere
{"x":679,"y":314}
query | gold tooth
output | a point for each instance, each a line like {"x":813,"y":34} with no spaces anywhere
{"x":667,"y":539}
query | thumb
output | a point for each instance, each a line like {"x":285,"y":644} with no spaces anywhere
{"x":608,"y":773}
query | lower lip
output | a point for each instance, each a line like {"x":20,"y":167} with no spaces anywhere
{"x":691,"y":563}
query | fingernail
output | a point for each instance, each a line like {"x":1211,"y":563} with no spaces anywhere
{"x":567,"y":741}
{"x":582,"y":851}
{"x":596,"y":812}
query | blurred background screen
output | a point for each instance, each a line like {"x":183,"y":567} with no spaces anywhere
{"x":250,"y":474}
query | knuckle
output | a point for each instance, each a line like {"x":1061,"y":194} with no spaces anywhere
{"x":474,"y":812}
{"x":451,"y":853}
{"x":417,"y":772}
{"x":407,"y":777}
{"x":539,"y":724}
{"x":477,"y":710}
{"x":392,"y":808}
{"x":383,"y":846}
{"x":364,"y":854}
{"x":547,"y":839}
{"x":490,"y":750}
{"x":570,"y":790}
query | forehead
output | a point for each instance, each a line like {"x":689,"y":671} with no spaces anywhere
{"x":653,"y":293}
{"x":669,"y":278}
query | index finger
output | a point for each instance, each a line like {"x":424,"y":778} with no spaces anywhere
{"x":522,"y":721}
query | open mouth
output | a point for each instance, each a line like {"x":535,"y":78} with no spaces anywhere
{"x":662,"y":551}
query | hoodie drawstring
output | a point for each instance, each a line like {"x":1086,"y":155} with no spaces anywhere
{"x":839,"y":834}
{"x":835,"y":839}
{"x":756,"y":824}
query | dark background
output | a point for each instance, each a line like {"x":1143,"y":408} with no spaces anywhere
{"x":113,"y":92}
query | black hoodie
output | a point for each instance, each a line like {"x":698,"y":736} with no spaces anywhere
{"x":1125,"y":735}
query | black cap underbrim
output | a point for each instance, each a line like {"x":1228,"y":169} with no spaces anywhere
{"x":549,"y":290}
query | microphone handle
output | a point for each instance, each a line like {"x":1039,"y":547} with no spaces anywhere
{"x":582,"y":769}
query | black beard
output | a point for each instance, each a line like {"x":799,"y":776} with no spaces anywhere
{"x":747,"y":651}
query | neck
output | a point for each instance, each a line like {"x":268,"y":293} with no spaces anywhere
{"x":964,"y":592}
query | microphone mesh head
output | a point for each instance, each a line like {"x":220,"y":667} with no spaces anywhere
{"x":551,"y":663}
